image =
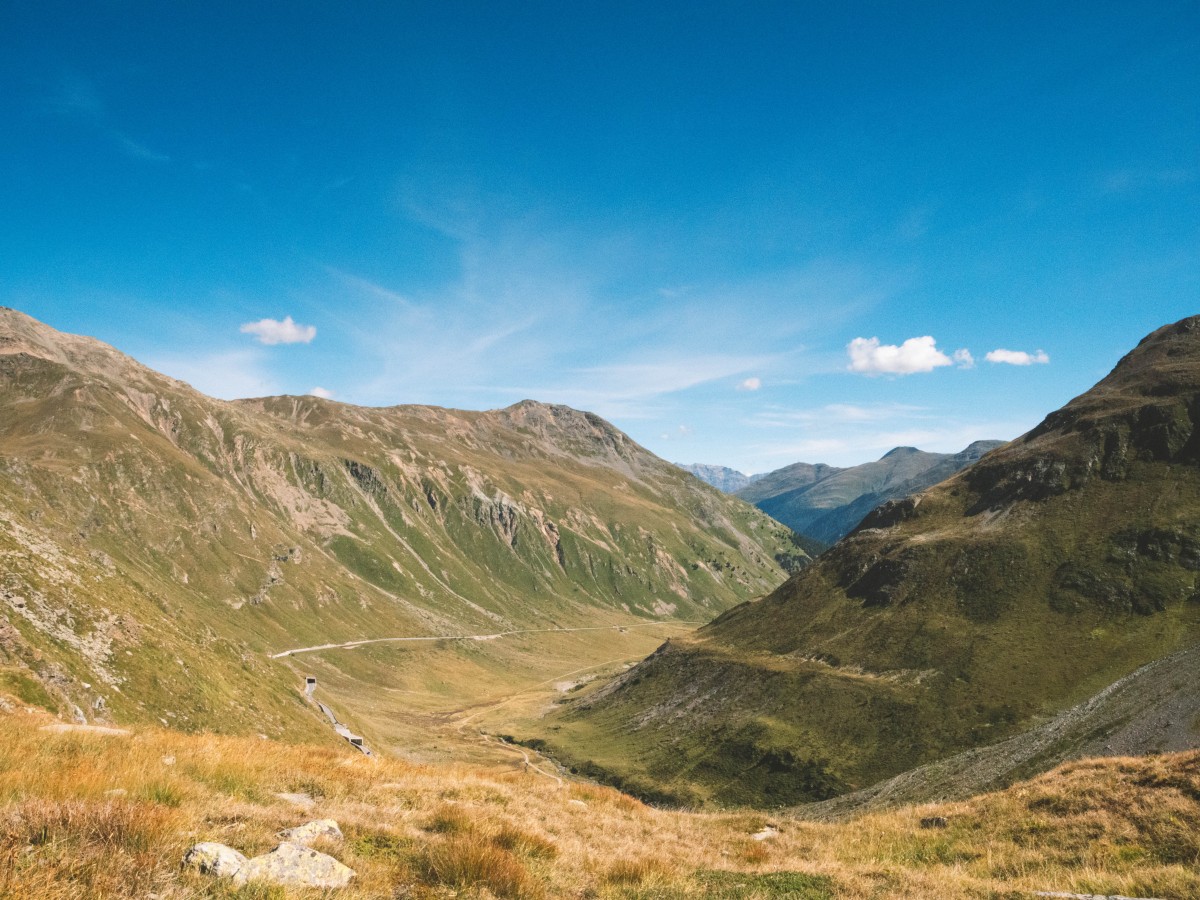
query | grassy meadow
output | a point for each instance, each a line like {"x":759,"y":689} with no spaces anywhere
{"x":87,"y":815}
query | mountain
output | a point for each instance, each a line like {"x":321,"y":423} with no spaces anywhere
{"x":824,"y":503}
{"x":795,"y":477}
{"x":157,"y":545}
{"x":722,"y":478}
{"x":1023,"y":585}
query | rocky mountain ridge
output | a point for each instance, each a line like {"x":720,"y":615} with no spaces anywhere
{"x":156,"y":544}
{"x":722,"y":478}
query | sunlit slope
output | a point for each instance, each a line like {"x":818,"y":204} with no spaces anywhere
{"x":93,"y":815}
{"x":155,"y":543}
{"x":1024,"y":584}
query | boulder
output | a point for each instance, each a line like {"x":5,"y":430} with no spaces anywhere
{"x":310,"y":831}
{"x":214,"y":859}
{"x":295,"y":866}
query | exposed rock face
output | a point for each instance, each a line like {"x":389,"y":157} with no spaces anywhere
{"x":214,"y":859}
{"x":139,"y":518}
{"x":293,"y":865}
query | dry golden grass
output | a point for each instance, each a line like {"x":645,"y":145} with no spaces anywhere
{"x":84,"y":815}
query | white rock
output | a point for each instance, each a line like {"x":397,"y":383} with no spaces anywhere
{"x":310,"y":831}
{"x":293,"y":865}
{"x":214,"y":859}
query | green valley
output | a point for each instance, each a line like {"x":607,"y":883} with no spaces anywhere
{"x":953,"y":619}
{"x":159,"y":545}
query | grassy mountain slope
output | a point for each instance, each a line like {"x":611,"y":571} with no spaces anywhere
{"x":1026,"y":583}
{"x":795,"y":477}
{"x":838,"y":521}
{"x":156,"y":544}
{"x":1153,"y":710}
{"x":106,"y":816}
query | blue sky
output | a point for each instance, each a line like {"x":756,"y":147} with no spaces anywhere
{"x":683,"y":216}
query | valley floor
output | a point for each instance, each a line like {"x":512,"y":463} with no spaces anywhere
{"x":111,"y":815}
{"x":437,"y":700}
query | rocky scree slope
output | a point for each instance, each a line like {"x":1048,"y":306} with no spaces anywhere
{"x":957,"y":618}
{"x":156,"y":544}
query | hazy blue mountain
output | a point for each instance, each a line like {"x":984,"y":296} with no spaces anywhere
{"x":722,"y":478}
{"x":826,"y":503}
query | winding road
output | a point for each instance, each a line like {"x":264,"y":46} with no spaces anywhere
{"x":350,"y":645}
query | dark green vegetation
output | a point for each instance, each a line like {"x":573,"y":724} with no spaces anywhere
{"x":825,"y":503}
{"x":1023,"y":585}
{"x":156,"y":544}
{"x":1154,"y":710}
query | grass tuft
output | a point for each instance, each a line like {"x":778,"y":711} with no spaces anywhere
{"x":472,"y":861}
{"x":636,"y":871}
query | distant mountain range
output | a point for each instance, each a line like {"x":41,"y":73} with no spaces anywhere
{"x":824,"y":503}
{"x":722,"y":478}
{"x":1007,"y":607}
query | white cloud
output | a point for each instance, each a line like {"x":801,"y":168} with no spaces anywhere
{"x":1017,"y":357}
{"x":750,"y":384}
{"x":964,"y":358}
{"x":918,"y":354}
{"x":271,"y":331}
{"x":323,"y":393}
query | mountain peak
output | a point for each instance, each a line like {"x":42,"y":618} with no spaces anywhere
{"x":1145,"y":410}
{"x":900,"y":451}
{"x":21,"y":334}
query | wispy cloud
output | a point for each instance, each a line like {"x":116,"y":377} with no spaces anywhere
{"x":750,"y":384}
{"x":1017,"y":357}
{"x":919,"y":354}
{"x":137,"y":149}
{"x":76,"y":97}
{"x":227,"y":375}
{"x":963,"y":358}
{"x":371,"y":288}
{"x":839,"y":413}
{"x":1126,"y":181}
{"x":323,"y":393}
{"x":853,"y":446}
{"x":273,"y":331}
